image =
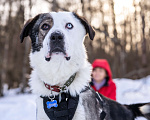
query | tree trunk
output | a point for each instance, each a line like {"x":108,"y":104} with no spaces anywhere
{"x":144,"y":59}
{"x":6,"y":48}
{"x":115,"y":62}
{"x":25,"y":57}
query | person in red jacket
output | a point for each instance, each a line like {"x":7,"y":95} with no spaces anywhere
{"x":102,"y":79}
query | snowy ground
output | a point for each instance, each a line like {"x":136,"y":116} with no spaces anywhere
{"x":23,"y":107}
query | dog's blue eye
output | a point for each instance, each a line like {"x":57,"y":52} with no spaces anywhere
{"x":69,"y":26}
{"x":45,"y":27}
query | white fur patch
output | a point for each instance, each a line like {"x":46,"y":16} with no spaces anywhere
{"x":41,"y":115}
{"x":81,"y":80}
{"x":80,"y":112}
{"x":145,"y":109}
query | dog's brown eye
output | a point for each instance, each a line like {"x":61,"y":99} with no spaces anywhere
{"x":45,"y":27}
{"x":69,"y":26}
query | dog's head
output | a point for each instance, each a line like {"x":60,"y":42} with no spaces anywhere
{"x":57,"y":34}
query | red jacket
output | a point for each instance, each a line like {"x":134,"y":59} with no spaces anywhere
{"x":109,"y":88}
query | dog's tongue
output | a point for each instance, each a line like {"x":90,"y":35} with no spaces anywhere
{"x":48,"y":57}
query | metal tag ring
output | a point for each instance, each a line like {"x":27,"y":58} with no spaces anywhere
{"x":51,"y":97}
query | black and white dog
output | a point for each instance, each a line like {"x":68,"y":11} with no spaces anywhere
{"x":61,"y":72}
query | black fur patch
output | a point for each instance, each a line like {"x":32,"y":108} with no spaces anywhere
{"x":87,"y":26}
{"x":32,"y":29}
{"x":34,"y":34}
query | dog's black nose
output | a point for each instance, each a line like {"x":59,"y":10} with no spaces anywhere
{"x":57,"y":37}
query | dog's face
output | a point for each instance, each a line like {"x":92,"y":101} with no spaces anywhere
{"x":57,"y":34}
{"x":57,"y":44}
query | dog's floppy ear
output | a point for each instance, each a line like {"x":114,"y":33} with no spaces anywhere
{"x":27,"y":28}
{"x":87,"y":26}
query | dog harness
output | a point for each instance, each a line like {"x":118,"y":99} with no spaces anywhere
{"x":65,"y":109}
{"x":67,"y":105}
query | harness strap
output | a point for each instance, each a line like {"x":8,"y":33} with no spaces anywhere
{"x":61,"y":113}
{"x":103,"y":113}
{"x":99,"y":99}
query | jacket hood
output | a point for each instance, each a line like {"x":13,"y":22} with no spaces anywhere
{"x":103,"y":63}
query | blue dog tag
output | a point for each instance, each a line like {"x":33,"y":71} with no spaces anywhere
{"x":51,"y":104}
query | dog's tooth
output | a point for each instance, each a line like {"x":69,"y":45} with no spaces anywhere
{"x":67,"y":58}
{"x":48,"y":59}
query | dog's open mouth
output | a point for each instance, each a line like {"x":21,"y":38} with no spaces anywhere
{"x":56,"y":50}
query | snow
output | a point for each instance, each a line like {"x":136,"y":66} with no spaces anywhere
{"x":133,"y":91}
{"x":16,"y":106}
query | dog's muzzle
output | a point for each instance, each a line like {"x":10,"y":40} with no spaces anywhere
{"x":57,"y":45}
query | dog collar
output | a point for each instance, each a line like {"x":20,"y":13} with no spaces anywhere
{"x":58,"y":88}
